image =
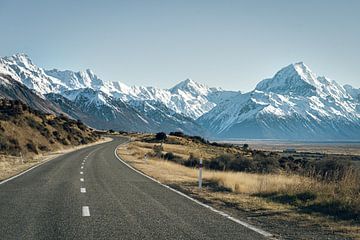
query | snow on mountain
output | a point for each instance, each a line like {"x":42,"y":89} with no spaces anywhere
{"x":295,"y":103}
{"x":21,"y":68}
{"x":188,"y":97}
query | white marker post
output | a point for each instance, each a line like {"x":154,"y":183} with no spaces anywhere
{"x":200,"y":173}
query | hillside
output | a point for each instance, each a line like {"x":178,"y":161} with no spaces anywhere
{"x":294,"y":104}
{"x":28,"y":132}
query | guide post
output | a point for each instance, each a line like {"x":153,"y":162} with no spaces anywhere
{"x":200,"y":173}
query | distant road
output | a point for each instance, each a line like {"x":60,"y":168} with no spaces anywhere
{"x":90,"y":194}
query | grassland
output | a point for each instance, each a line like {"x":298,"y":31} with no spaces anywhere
{"x":327,"y":208}
{"x":28,"y":137}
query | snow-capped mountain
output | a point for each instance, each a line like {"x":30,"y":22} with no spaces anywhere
{"x":108,"y":102}
{"x":294,"y":104}
{"x":187,"y":98}
{"x":21,"y":68}
{"x":14,"y":90}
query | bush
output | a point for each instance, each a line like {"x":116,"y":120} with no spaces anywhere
{"x":192,"y":161}
{"x":177,"y":134}
{"x":31,"y":147}
{"x":160,"y":136}
{"x":157,"y":151}
{"x":268,"y":165}
{"x":332,"y":170}
{"x":169,"y":156}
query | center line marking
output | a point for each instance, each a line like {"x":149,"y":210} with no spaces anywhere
{"x":81,"y":173}
{"x":82,"y":167}
{"x":81,"y":179}
{"x":85,"y":211}
{"x":83,"y":190}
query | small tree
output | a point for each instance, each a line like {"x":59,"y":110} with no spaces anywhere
{"x":160,"y":136}
{"x":246,"y":146}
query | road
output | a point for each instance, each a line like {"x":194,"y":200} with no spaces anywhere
{"x":90,"y":194}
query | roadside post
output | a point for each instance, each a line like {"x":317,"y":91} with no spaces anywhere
{"x":22,"y":159}
{"x":200,"y":173}
{"x":145,"y":157}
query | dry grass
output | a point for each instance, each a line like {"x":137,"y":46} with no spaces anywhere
{"x":251,"y":191}
{"x":252,"y":183}
{"x":11,"y":165}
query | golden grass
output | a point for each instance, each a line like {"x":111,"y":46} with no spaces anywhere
{"x":246,"y":187}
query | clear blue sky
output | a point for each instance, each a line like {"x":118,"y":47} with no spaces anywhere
{"x":231,"y":44}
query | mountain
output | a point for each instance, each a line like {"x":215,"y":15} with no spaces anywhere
{"x":21,"y":68}
{"x":99,"y":110}
{"x":294,"y":104}
{"x":187,"y":97}
{"x":14,"y":90}
{"x":172,"y":108}
{"x":166,"y":119}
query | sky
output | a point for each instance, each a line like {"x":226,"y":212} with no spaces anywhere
{"x":228,"y":44}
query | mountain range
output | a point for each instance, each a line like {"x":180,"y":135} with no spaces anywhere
{"x":294,"y":104}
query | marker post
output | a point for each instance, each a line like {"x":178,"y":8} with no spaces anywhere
{"x":200,"y":173}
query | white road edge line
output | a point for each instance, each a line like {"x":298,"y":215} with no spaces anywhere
{"x":247,"y":225}
{"x":85,"y":211}
{"x":38,"y":165}
{"x":81,"y":179}
{"x":83,"y":190}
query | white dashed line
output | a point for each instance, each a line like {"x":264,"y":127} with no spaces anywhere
{"x":81,"y":179}
{"x":85,"y":211}
{"x":82,"y":167}
{"x":83,"y":190}
{"x":81,"y":173}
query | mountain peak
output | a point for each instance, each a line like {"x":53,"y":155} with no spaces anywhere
{"x":19,"y":58}
{"x":189,"y":85}
{"x":294,"y":78}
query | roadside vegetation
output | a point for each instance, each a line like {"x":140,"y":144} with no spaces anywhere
{"x":324,"y":188}
{"x":26,"y":134}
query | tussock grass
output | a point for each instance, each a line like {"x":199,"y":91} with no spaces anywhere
{"x":337,"y":198}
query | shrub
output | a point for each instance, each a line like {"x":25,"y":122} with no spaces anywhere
{"x":169,"y":156}
{"x":177,"y":134}
{"x":192,"y":161}
{"x":157,"y":150}
{"x":332,"y":170}
{"x":160,"y":136}
{"x":268,"y":165}
{"x":31,"y":147}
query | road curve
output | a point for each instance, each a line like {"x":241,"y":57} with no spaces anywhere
{"x":90,"y":194}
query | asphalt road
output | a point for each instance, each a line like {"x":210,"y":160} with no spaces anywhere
{"x":116,"y":202}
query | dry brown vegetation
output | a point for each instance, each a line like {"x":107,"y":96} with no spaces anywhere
{"x":27,"y":136}
{"x":334,"y":203}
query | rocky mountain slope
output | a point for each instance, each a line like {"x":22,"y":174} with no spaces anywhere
{"x":295,"y":103}
{"x":98,"y":103}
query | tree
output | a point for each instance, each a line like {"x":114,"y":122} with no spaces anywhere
{"x":161,"y":136}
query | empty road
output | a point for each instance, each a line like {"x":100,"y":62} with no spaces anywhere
{"x":90,"y":194}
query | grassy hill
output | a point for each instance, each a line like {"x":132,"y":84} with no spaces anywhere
{"x":27,"y":132}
